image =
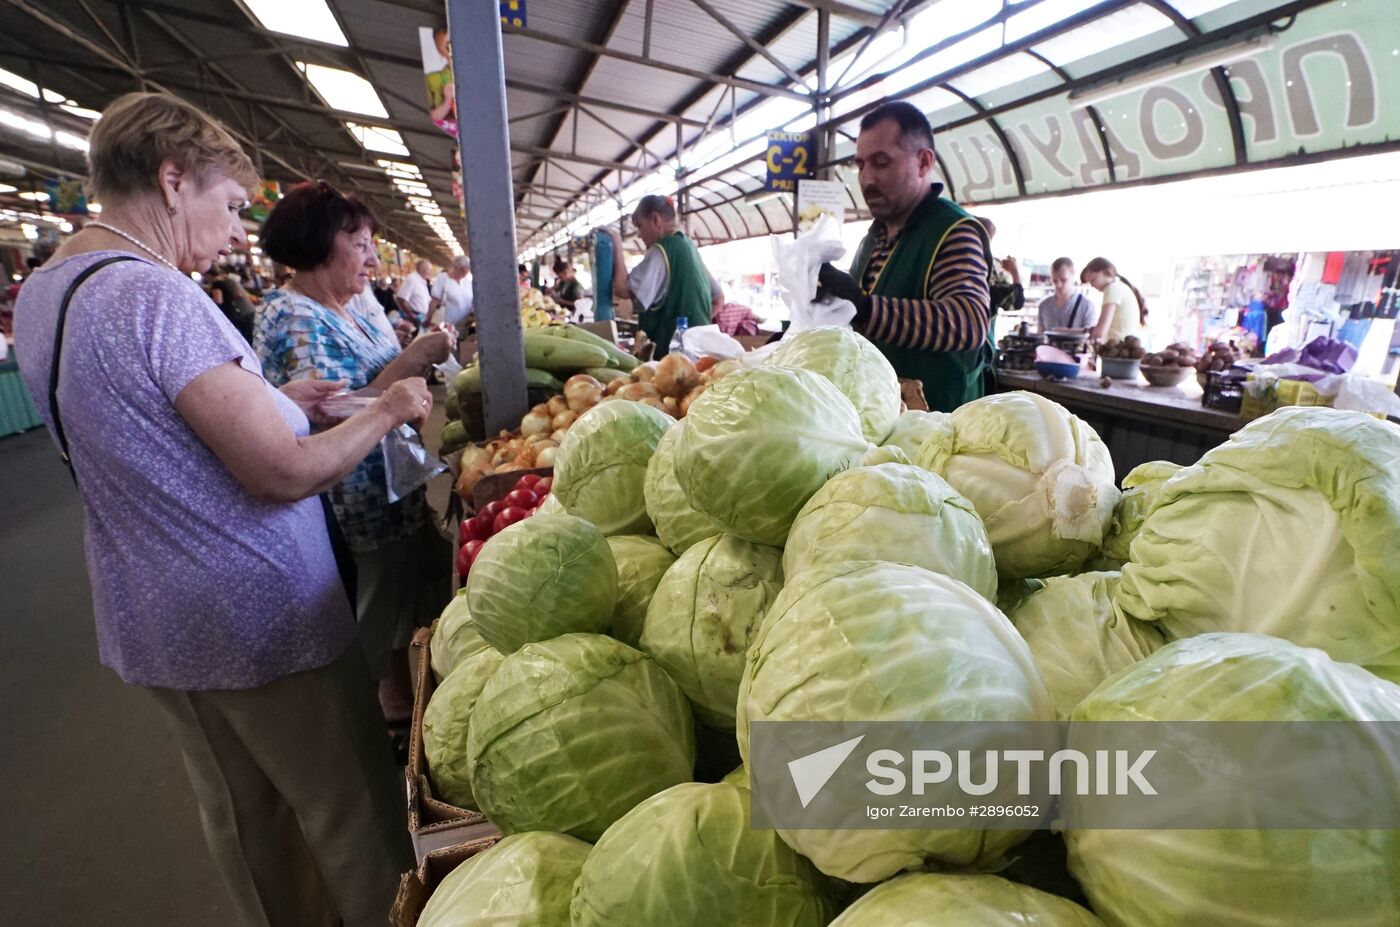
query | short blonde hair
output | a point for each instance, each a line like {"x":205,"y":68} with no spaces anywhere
{"x":138,"y":131}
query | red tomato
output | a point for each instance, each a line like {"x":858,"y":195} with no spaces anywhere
{"x":528,"y":481}
{"x":508,"y":516}
{"x":491,"y":509}
{"x":472,"y":549}
{"x":544,"y":486}
{"x":539,"y":501}
{"x":477,"y":528}
{"x":464,"y":560}
{"x":522,"y":498}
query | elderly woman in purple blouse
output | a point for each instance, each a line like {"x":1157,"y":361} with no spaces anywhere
{"x":215,"y":584}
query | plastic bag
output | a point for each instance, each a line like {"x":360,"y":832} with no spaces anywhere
{"x":407,"y":463}
{"x":798,"y":263}
{"x":708,"y":339}
{"x":449,"y":368}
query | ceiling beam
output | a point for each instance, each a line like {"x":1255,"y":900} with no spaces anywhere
{"x":772,"y":90}
{"x":844,"y":10}
{"x":563,"y":97}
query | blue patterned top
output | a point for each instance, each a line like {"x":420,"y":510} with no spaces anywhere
{"x":297,"y":338}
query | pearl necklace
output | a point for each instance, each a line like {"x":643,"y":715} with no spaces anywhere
{"x":137,"y":242}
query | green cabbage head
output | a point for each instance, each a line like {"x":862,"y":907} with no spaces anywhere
{"x":526,"y":880}
{"x":894,"y":512}
{"x":445,"y":724}
{"x":936,"y":899}
{"x":688,"y":858}
{"x":455,"y":637}
{"x":1240,"y":878}
{"x":855,"y":366}
{"x":913,"y":429}
{"x":678,"y":524}
{"x":702,"y":616}
{"x":572,"y":733}
{"x":641,"y":562}
{"x":1077,"y":639}
{"x":542,"y":577}
{"x":1040,"y":478}
{"x":1141,"y":487}
{"x":602,"y":464}
{"x":759,"y":443}
{"x":1290,"y":528}
{"x":551,"y":506}
{"x":888,"y":642}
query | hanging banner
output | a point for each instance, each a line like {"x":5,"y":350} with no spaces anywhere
{"x":1328,"y":83}
{"x":817,"y":198}
{"x":436,"y":48}
{"x":513,"y":13}
{"x":789,"y":160}
{"x":264,"y":198}
{"x":66,"y":197}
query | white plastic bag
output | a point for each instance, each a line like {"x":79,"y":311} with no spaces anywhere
{"x":798,"y":263}
{"x":708,"y":339}
{"x":1356,"y":393}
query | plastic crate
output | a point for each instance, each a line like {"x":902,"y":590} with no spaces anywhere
{"x":1264,"y":394}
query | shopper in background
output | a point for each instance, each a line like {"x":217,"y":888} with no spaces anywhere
{"x":228,"y":295}
{"x":1124,"y":310}
{"x":522,"y":273}
{"x":413,"y":297}
{"x":567,"y":289}
{"x":310,"y":332}
{"x":1007,"y":293}
{"x":452,"y":293}
{"x":1065,"y":307}
{"x":215,"y":583}
{"x":921,"y":275}
{"x":671,"y":281}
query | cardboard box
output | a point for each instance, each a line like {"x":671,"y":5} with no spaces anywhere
{"x":416,"y":887}
{"x":432,"y":824}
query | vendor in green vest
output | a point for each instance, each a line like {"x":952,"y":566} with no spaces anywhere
{"x":671,"y":281}
{"x":920,"y":280}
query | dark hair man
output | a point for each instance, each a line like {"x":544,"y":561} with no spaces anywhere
{"x":920,"y":280}
{"x":671,"y":281}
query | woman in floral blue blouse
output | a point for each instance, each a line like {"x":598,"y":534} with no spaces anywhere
{"x":314,"y":328}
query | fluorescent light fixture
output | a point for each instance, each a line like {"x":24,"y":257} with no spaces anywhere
{"x":344,"y":90}
{"x":69,"y":140}
{"x":252,"y":238}
{"x":7,"y":188}
{"x":1200,"y":60}
{"x":24,"y":124}
{"x":307,"y":19}
{"x":378,"y":138}
{"x":65,"y":226}
{"x":95,"y":208}
{"x":28,"y":87}
{"x":34,"y":196}
{"x":73,"y":109}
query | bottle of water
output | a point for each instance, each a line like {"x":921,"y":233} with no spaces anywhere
{"x":678,"y":339}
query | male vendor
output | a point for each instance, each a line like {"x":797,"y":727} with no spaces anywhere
{"x":920,"y":280}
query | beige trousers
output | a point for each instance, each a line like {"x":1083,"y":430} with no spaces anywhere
{"x":300,"y":800}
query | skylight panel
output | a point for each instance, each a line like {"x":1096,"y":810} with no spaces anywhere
{"x":378,"y":138}
{"x":344,"y":90}
{"x":307,"y":19}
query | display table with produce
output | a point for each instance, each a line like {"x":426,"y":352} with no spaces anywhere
{"x":1137,"y":421}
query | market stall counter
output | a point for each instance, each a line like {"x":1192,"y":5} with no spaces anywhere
{"x":1138,"y":422}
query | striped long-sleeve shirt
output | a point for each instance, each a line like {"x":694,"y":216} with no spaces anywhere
{"x":953,"y":316}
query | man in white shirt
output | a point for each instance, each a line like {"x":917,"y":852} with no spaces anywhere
{"x":451,"y":294}
{"x":413,"y":296}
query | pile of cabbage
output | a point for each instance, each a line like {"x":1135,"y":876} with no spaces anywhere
{"x":799,"y":548}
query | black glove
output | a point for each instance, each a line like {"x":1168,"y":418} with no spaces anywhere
{"x":835,"y":284}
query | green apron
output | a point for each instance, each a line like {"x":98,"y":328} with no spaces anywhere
{"x":687,"y":292}
{"x":950,"y":378}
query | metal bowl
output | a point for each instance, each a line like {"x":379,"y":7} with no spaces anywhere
{"x":1119,"y":368}
{"x":1167,"y":376}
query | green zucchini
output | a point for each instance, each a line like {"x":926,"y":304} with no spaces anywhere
{"x":550,"y":353}
{"x":617,"y":358}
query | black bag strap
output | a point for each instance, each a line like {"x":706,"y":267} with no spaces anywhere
{"x":1074,"y":311}
{"x":58,"y":355}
